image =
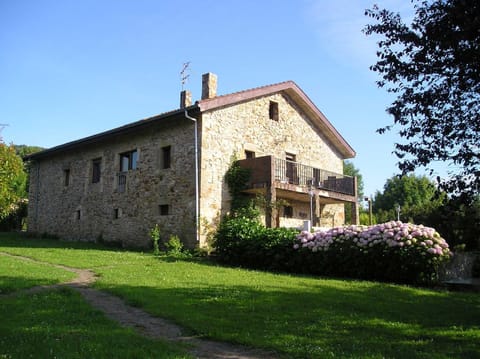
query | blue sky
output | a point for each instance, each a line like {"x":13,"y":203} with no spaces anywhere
{"x":69,"y":69}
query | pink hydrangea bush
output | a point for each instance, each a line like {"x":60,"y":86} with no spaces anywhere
{"x":394,"y":251}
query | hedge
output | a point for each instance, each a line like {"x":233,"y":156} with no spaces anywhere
{"x":393,"y":252}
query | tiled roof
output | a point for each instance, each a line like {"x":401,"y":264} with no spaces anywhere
{"x":290,"y":88}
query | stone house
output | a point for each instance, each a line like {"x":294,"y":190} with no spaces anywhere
{"x":116,"y":185}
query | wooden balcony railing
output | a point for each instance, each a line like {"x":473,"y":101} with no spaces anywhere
{"x":269,"y":170}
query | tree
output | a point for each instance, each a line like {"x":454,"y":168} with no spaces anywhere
{"x":433,"y":67}
{"x":349,"y":169}
{"x":458,"y":222}
{"x":12,"y":180}
{"x":24,"y":150}
{"x":417,"y":196}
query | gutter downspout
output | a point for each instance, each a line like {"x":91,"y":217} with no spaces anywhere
{"x":197,"y":197}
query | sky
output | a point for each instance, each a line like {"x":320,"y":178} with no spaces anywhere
{"x":71,"y":68}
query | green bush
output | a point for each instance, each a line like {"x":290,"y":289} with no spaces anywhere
{"x":15,"y":220}
{"x":155,"y":236}
{"x":393,"y":252}
{"x":174,"y":246}
{"x":246,"y":242}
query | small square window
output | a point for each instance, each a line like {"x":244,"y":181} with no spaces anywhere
{"x":166,"y":157}
{"x":164,"y":209}
{"x":249,"y":154}
{"x":288,"y":211}
{"x":96,"y":170}
{"x":273,"y":111}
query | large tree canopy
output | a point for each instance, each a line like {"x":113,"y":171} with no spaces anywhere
{"x":432,"y":65}
{"x":407,"y":191}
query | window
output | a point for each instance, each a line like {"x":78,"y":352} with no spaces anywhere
{"x":288,"y":211}
{"x":66,"y":177}
{"x":128,"y":161}
{"x":96,"y":170}
{"x":166,"y":156}
{"x":290,"y":157}
{"x":273,"y":111}
{"x":249,"y":154}
{"x":116,"y":213}
{"x":122,"y":182}
{"x":78,"y":214}
{"x":291,"y":168}
{"x":164,"y":209}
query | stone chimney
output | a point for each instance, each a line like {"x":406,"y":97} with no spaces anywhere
{"x":209,"y":86}
{"x":185,"y":98}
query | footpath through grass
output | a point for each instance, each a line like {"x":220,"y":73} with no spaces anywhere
{"x":59,"y":324}
{"x":28,"y":274}
{"x":298,"y":317}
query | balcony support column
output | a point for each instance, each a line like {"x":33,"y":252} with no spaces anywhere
{"x":316,"y":216}
{"x":355,"y":214}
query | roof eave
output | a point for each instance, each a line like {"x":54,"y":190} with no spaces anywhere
{"x":297,"y":94}
{"x":131,"y":127}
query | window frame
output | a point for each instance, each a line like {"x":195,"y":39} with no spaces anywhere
{"x":131,"y":157}
{"x":166,"y":157}
{"x":96,"y":170}
{"x":273,"y":111}
{"x":288,"y":211}
{"x":66,"y":177}
{"x":249,"y":154}
{"x":164,"y":209}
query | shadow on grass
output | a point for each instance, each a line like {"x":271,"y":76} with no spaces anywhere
{"x":368,"y":321}
{"x":58,"y":323}
{"x":23,"y":240}
{"x":299,"y":316}
{"x":11,"y":284}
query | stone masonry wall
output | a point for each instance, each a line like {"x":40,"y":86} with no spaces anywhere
{"x":83,"y":210}
{"x":247,"y":127}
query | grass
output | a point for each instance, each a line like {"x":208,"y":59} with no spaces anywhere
{"x":296,"y":316}
{"x":59,"y":324}
{"x":28,"y":274}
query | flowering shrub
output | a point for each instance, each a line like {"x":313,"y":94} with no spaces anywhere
{"x":393,"y":251}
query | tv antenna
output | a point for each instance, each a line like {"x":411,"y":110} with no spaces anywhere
{"x":184,"y":75}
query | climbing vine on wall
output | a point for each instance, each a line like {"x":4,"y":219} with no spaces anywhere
{"x":237,"y":179}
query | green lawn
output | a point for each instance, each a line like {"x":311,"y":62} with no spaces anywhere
{"x":297,"y":316}
{"x":18,"y":274}
{"x":59,"y":324}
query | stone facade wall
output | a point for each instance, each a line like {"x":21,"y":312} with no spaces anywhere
{"x":83,"y":210}
{"x":247,"y":126}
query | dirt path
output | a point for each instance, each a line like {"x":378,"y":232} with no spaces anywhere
{"x":144,"y":323}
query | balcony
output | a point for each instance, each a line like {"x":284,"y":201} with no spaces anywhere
{"x":293,"y":179}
